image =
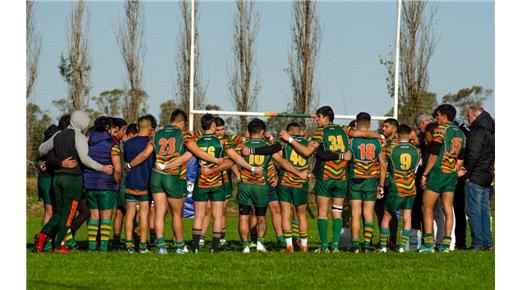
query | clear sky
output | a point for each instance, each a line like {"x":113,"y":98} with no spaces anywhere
{"x":348,"y":75}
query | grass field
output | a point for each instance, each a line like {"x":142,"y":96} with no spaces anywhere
{"x":231,"y":269}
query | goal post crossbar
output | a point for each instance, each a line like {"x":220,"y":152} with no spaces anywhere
{"x":274,"y":114}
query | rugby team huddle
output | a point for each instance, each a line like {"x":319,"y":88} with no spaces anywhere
{"x":123,"y":169}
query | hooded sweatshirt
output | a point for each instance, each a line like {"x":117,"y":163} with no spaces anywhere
{"x":99,"y":148}
{"x":71,"y":143}
{"x":479,"y":159}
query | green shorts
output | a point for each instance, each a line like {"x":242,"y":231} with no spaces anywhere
{"x":136,"y":198}
{"x":211,"y":194}
{"x":394,"y":203}
{"x":172,"y":185}
{"x":441,"y":182}
{"x":228,"y":189}
{"x":252,"y":194}
{"x":362,"y":189}
{"x":330,"y":188}
{"x":45,"y":190}
{"x":121,"y":200}
{"x":101,"y":199}
{"x":293,"y":195}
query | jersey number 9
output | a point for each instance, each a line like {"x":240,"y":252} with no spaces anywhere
{"x":405,"y":161}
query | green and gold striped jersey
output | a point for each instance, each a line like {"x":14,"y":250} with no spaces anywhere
{"x":298,"y":161}
{"x":365,"y":162}
{"x":170,"y":143}
{"x":453,"y":143}
{"x":246,"y":176}
{"x":333,"y":138}
{"x":403,"y":160}
{"x":215,"y":147}
{"x":230,"y":140}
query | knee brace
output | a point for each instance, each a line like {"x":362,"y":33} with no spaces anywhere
{"x":337,"y":208}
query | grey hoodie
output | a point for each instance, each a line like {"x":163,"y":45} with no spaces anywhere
{"x":79,"y":121}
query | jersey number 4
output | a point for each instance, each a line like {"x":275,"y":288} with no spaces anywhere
{"x":167,"y":146}
{"x":296,"y":159}
{"x":336,"y":143}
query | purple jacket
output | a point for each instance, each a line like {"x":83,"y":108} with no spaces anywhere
{"x":99,"y":148}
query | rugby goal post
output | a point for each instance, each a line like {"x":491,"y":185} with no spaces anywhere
{"x":193,"y":111}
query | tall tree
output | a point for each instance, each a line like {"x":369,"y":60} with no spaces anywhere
{"x":108,"y":103}
{"x":466,"y":98}
{"x":75,"y":66}
{"x":244,"y":85}
{"x":130,"y":38}
{"x":417,"y":44}
{"x":183,"y":61}
{"x":37,"y":122}
{"x":167,"y":108}
{"x":304,"y":53}
{"x":32,"y":49}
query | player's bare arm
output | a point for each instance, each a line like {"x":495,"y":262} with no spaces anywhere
{"x":240,"y":161}
{"x":365,"y":134}
{"x":206,"y":170}
{"x":141,"y":156}
{"x":192,"y":146}
{"x":302,"y":149}
{"x":384,"y":169}
{"x":289,"y":167}
{"x":179,"y":161}
{"x":118,"y":173}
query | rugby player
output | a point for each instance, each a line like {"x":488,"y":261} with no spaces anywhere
{"x":330,"y":174}
{"x":440,"y":175}
{"x":403,"y":160}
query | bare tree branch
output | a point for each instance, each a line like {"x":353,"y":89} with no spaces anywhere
{"x":75,"y":67}
{"x":32,"y":49}
{"x":244,"y":85}
{"x":417,"y":45}
{"x":130,"y":38}
{"x":306,"y":35}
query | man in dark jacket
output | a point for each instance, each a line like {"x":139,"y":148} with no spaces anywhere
{"x":479,"y":173}
{"x":67,"y":182}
